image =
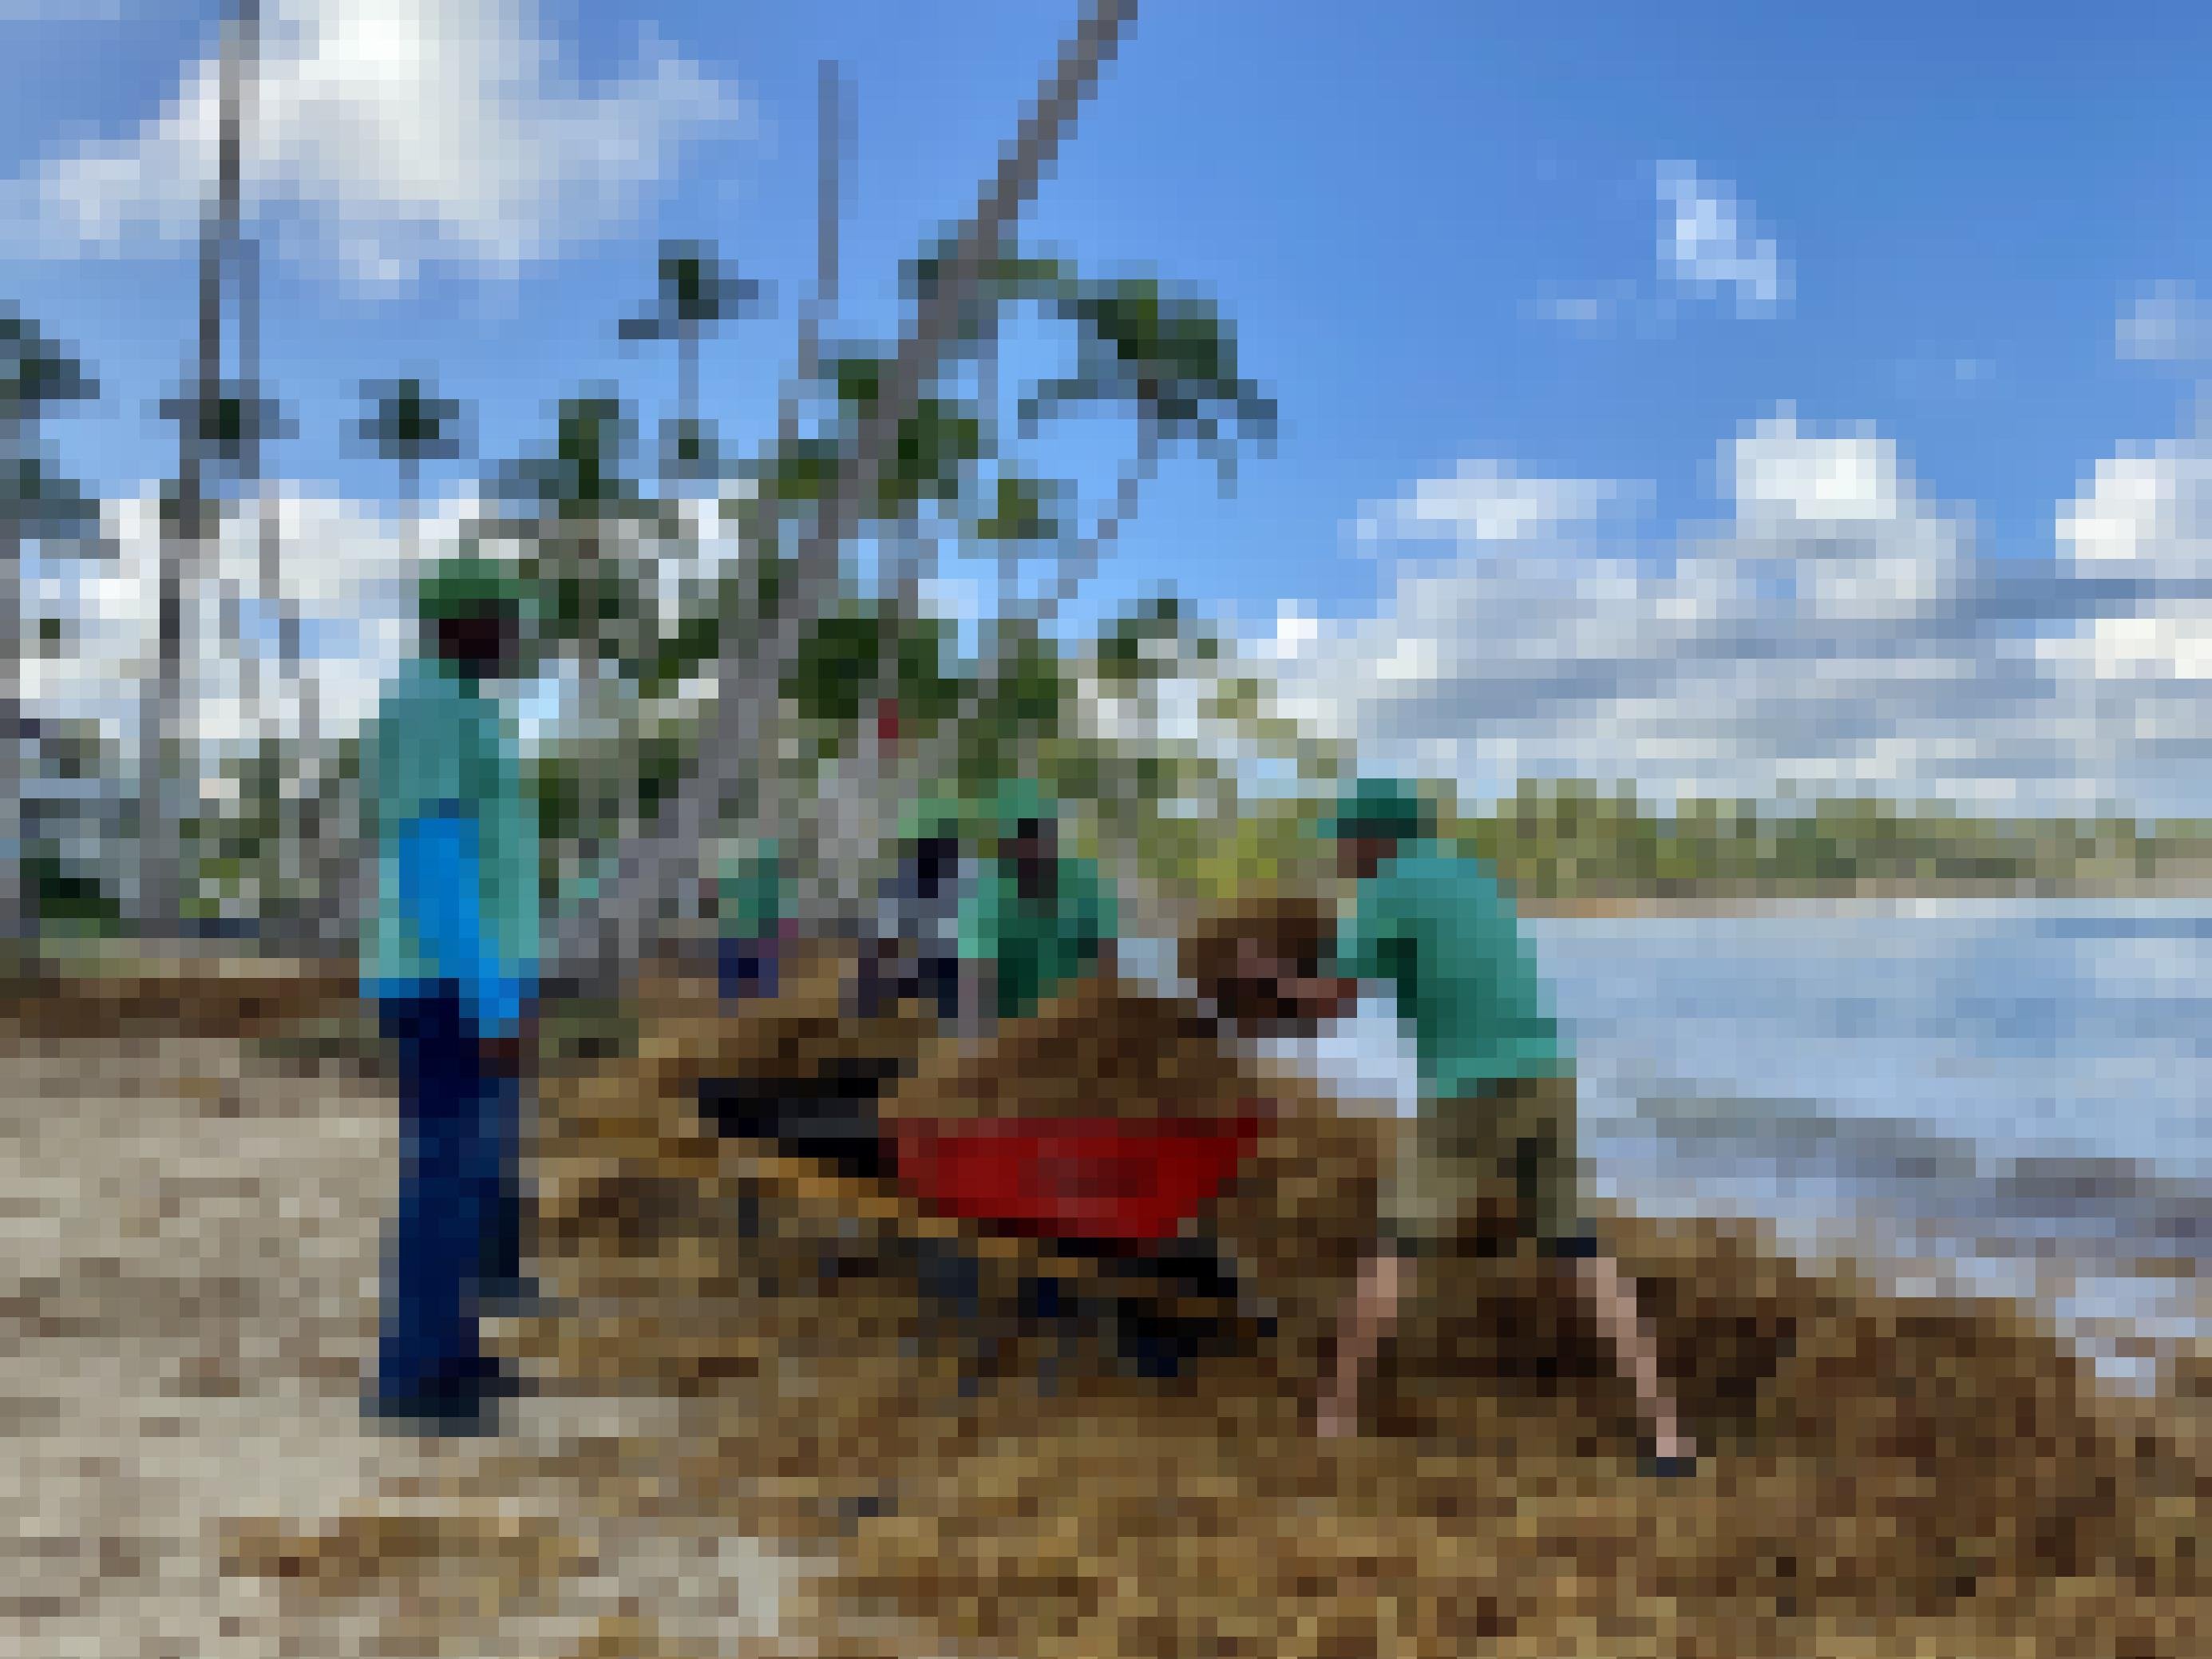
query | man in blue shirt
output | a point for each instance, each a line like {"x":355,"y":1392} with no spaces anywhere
{"x":451,"y":958}
{"x":1497,"y":1098}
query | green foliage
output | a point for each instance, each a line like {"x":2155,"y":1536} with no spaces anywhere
{"x":41,"y":505}
{"x":584,"y":477}
{"x":937,"y":446}
{"x":695,"y":642}
{"x":1028,"y":705}
{"x":1568,"y":839}
{"x":552,"y":783}
{"x":839,"y":665}
{"x":1170,"y":358}
{"x":1154,"y":642}
{"x":1571,"y":839}
{"x":585,"y":599}
{"x":663,"y":759}
{"x":804,"y":473}
{"x":231,"y":426}
{"x":1021,"y":511}
{"x":73,"y":898}
{"x":409,"y":424}
{"x":36,"y":372}
{"x":858,"y":381}
{"x":696,"y":291}
{"x":928,"y":691}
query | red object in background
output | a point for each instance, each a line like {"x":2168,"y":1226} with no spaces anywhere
{"x":887,"y":722}
{"x":1109,"y":1180}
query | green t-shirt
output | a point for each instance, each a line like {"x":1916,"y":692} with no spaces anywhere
{"x":1036,"y":947}
{"x":752,"y":893}
{"x":439,"y":743}
{"x":1439,"y":931}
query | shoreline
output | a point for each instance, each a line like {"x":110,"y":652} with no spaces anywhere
{"x":1858,"y":900}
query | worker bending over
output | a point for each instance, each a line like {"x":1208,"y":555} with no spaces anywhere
{"x":1497,"y":1093}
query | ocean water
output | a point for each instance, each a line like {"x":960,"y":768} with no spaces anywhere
{"x":2003,"y":1097}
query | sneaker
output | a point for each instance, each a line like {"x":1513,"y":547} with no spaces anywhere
{"x":519,"y":1298}
{"x":443,"y":1413}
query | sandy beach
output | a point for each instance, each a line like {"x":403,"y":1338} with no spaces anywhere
{"x":750,"y":1433}
{"x":193,"y":1236}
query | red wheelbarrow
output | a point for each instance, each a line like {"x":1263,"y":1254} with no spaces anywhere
{"x":1099,"y":1181}
{"x":1116,"y":1195}
{"x":1120,"y":1192}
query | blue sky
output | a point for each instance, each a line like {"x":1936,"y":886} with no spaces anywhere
{"x":1441,"y":228}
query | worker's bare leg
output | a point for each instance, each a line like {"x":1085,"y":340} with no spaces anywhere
{"x":1368,"y":1317}
{"x":1611,"y":1302}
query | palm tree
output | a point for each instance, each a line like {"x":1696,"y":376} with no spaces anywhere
{"x":409,"y":425}
{"x":697,"y":294}
{"x":741,"y":713}
{"x":205,"y":418}
{"x":35,"y":373}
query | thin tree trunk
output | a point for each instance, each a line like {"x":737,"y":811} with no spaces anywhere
{"x":14,"y":909}
{"x":740,"y":715}
{"x":687,"y":402}
{"x":161,"y":737}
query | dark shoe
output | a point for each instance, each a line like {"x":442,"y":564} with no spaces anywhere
{"x":1666,"y":1469}
{"x":520,"y":1298}
{"x":441,"y":1413}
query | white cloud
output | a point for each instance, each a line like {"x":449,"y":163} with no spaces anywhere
{"x":2147,"y":513}
{"x":390,"y":135}
{"x":1707,"y":245}
{"x":1788,"y":480}
{"x":1828,"y":634}
{"x":1488,"y":502}
{"x":1708,"y":249}
{"x":345,"y":566}
{"x":2166,"y":324}
{"x":1590,"y":309}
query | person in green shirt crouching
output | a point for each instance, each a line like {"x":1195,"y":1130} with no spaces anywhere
{"x":1497,"y":1093}
{"x":1034,"y":920}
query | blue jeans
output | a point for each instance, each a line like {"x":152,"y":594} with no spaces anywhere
{"x":749,"y":967}
{"x":460,"y":1215}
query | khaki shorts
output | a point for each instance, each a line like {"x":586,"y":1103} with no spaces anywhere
{"x":1514,"y":1140}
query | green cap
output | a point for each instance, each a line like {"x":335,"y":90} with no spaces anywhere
{"x":1386,"y":809}
{"x":1019,"y":799}
{"x":930,"y":819}
{"x":465,"y":585}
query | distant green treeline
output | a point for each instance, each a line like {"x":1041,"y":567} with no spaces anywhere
{"x":1575,"y":840}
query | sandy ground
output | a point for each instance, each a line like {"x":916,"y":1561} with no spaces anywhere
{"x":188,"y":1285}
